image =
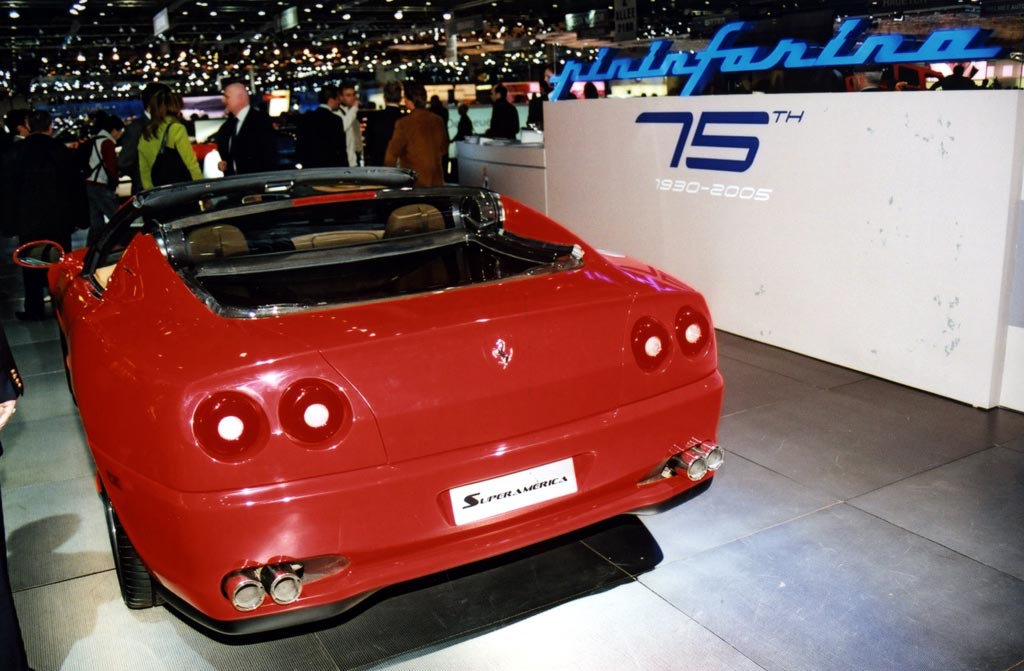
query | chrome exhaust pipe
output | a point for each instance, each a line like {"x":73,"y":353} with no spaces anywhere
{"x":281,"y":582}
{"x":244,"y":589}
{"x":691,"y":462}
{"x":713,"y":455}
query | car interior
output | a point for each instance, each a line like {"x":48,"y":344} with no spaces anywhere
{"x":222,"y":240}
{"x":215,"y":241}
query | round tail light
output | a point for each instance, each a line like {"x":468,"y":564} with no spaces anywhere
{"x":313,"y":411}
{"x":651,"y":344}
{"x":229,"y":424}
{"x":693,"y":332}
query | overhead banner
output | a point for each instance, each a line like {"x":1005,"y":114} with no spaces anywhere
{"x":161,"y":22}
{"x":848,"y":48}
{"x":868,"y":230}
{"x":625,"y":20}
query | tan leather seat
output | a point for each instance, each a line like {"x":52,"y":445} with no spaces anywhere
{"x":215,"y":242}
{"x":335,"y":239}
{"x":413,"y":219}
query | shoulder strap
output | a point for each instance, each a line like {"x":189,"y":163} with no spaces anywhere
{"x":94,"y":172}
{"x":163,"y":141}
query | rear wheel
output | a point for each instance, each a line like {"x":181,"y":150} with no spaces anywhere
{"x":138,"y":589}
{"x":67,"y":371}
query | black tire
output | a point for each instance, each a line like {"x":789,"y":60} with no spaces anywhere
{"x":138,"y":589}
{"x":67,"y":371}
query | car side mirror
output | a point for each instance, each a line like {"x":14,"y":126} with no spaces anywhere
{"x":39,"y":254}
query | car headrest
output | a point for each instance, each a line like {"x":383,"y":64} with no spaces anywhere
{"x":412,"y":219}
{"x":215,"y":242}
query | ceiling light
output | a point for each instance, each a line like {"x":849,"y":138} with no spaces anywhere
{"x":399,"y":15}
{"x":447,"y":16}
{"x":13,"y":14}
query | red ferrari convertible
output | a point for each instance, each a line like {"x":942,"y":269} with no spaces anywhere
{"x":301,"y":387}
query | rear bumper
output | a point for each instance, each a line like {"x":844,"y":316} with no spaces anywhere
{"x":395,"y":523}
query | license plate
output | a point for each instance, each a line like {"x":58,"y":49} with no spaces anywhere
{"x":480,"y":500}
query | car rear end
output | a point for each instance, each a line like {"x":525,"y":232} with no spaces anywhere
{"x":376,"y":441}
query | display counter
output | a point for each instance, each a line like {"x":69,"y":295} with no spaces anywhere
{"x":515,"y":170}
{"x":878,"y":232}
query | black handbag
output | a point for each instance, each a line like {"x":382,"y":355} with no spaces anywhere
{"x":169,"y":168}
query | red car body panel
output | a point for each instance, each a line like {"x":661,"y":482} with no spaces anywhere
{"x":444,"y":389}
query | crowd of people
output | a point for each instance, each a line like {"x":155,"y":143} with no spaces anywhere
{"x":49,"y":190}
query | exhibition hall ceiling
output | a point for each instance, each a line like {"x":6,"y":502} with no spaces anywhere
{"x":73,"y":48}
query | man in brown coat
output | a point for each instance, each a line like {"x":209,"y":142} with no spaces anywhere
{"x":420,"y":139}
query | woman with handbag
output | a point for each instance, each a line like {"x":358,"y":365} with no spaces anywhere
{"x":165,"y":154}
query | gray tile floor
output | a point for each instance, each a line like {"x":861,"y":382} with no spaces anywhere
{"x":856,"y":524}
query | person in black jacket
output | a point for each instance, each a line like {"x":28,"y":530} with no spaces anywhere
{"x":246,"y":138}
{"x":535,"y":114}
{"x":504,"y":116}
{"x":12,"y":647}
{"x":44,"y":195}
{"x":380,"y":126}
{"x":321,"y":137}
{"x":955,"y":82}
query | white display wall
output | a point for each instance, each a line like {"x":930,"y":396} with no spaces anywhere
{"x":875,"y":231}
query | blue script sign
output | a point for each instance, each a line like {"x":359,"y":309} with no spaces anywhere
{"x":957,"y":44}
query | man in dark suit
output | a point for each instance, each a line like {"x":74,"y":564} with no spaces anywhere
{"x":246,"y":138}
{"x":128,"y":159}
{"x":380,"y":126}
{"x":16,"y":121}
{"x":44,"y":195}
{"x":12,"y":648}
{"x":321,"y":141}
{"x":504,"y":116}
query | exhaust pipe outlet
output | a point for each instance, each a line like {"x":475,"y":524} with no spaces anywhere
{"x":281,"y":582}
{"x":713,"y":455}
{"x":691,"y":462}
{"x":245,"y":590}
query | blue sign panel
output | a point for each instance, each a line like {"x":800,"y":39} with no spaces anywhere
{"x":843,"y":50}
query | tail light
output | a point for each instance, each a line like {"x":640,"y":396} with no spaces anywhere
{"x":229,"y":424}
{"x":312,"y":411}
{"x":692,"y":331}
{"x":651,"y":344}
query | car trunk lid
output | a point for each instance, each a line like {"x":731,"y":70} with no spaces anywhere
{"x":478,"y":365}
